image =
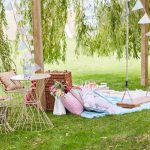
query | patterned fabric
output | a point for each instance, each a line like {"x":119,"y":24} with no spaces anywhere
{"x":31,"y":94}
{"x":114,"y":98}
{"x":76,"y":92}
{"x":72,"y":104}
{"x":7,"y":82}
{"x":93,"y":102}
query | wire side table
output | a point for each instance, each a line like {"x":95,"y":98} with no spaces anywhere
{"x":32,"y":116}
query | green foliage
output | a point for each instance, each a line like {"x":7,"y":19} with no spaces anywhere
{"x":117,"y":28}
{"x":24,"y":8}
{"x":59,"y":85}
{"x":105,"y":39}
{"x":5,"y":54}
{"x":110,"y":32}
{"x":54,"y":15}
{"x":134,"y":32}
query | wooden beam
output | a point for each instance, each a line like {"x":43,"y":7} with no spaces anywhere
{"x":144,"y":49}
{"x":37,"y":33}
{"x":38,"y":45}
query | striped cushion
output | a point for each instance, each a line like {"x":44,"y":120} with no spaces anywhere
{"x":7,"y":82}
{"x":72,"y":104}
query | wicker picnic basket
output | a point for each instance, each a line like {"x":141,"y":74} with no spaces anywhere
{"x":61,"y":76}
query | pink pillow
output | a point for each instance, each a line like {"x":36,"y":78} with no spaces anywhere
{"x":72,"y":104}
{"x":77,"y":94}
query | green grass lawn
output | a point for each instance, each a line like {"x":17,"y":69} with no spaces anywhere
{"x":123,"y":132}
{"x":71,"y":132}
{"x":102,"y":69}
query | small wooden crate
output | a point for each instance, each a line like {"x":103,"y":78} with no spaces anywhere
{"x":61,"y":76}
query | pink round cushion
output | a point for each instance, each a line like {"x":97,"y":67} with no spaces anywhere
{"x":77,"y":94}
{"x":72,"y":104}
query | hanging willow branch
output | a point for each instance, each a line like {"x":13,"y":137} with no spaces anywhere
{"x":5,"y":53}
{"x":110,"y":32}
{"x":54,"y":16}
{"x":106,"y":37}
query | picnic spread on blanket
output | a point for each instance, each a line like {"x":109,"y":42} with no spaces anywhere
{"x":97,"y":102}
{"x":89,"y":100}
{"x":92,"y":100}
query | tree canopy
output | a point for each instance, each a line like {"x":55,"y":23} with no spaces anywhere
{"x":103,"y":34}
{"x":109,"y":35}
{"x":5,"y":51}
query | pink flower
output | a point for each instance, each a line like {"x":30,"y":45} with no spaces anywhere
{"x":53,"y":90}
{"x":57,"y":89}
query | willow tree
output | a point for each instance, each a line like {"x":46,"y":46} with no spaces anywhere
{"x":110,"y":30}
{"x":54,"y":16}
{"x":105,"y":37}
{"x":5,"y":52}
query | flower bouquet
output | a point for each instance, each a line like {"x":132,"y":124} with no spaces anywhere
{"x":58,"y":90}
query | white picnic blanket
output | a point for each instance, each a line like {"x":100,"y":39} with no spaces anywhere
{"x":99,"y":103}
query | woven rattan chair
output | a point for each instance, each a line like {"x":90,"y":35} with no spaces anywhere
{"x":4,"y":125}
{"x":7,"y":106}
